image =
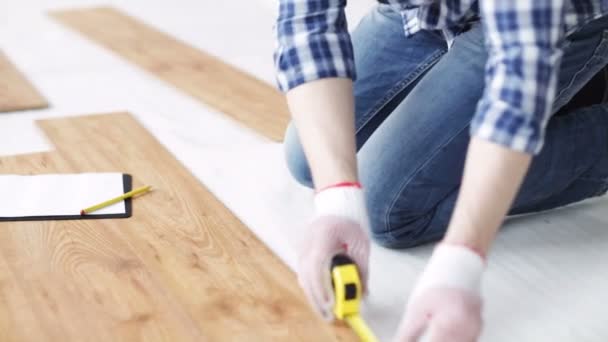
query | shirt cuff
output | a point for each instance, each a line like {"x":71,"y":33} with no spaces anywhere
{"x":497,"y":122}
{"x":326,"y":56}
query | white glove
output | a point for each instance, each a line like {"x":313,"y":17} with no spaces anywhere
{"x":445,"y":305}
{"x":340,"y":227}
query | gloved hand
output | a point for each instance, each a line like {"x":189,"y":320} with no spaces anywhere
{"x":445,"y":305}
{"x":340,"y":227}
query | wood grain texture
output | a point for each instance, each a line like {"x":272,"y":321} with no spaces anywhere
{"x":246,"y":99}
{"x":16,"y":92}
{"x":183,"y":268}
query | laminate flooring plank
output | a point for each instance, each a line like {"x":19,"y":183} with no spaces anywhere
{"x":183,"y":268}
{"x":15,"y":311}
{"x":246,"y":99}
{"x":16,"y":92}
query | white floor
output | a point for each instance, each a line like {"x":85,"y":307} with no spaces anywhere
{"x":548,"y":274}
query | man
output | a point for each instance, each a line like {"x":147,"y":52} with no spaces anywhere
{"x":446,"y":118}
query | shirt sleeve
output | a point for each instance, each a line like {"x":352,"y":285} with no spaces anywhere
{"x":313,"y":42}
{"x":525,"y":45}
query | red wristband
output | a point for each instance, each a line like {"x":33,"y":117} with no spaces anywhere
{"x":341,"y":185}
{"x":469,"y":247}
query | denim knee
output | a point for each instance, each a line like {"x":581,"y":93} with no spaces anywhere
{"x":398,"y":228}
{"x":295,"y":158}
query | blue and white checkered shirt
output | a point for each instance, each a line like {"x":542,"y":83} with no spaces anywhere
{"x":524,"y":39}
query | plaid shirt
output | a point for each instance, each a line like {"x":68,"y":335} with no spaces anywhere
{"x":524,"y":39}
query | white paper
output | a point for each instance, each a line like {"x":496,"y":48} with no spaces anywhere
{"x":59,"y":194}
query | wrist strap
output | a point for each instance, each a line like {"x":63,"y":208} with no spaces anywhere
{"x":341,"y":185}
{"x":474,"y":249}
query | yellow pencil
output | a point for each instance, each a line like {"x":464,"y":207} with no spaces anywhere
{"x":129,"y":194}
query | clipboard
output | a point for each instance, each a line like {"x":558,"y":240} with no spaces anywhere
{"x":62,"y":196}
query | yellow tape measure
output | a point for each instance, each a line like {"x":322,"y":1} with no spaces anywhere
{"x":347,"y":293}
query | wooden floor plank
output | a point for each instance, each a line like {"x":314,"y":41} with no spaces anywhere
{"x":246,"y":99}
{"x":183,"y":268}
{"x":16,"y":92}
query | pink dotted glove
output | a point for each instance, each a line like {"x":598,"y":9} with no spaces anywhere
{"x":445,"y":305}
{"x":339,"y":228}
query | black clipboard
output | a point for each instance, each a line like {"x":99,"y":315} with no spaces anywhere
{"x":127,"y":182}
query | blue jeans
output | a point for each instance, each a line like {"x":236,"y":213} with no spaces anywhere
{"x":414,"y":101}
